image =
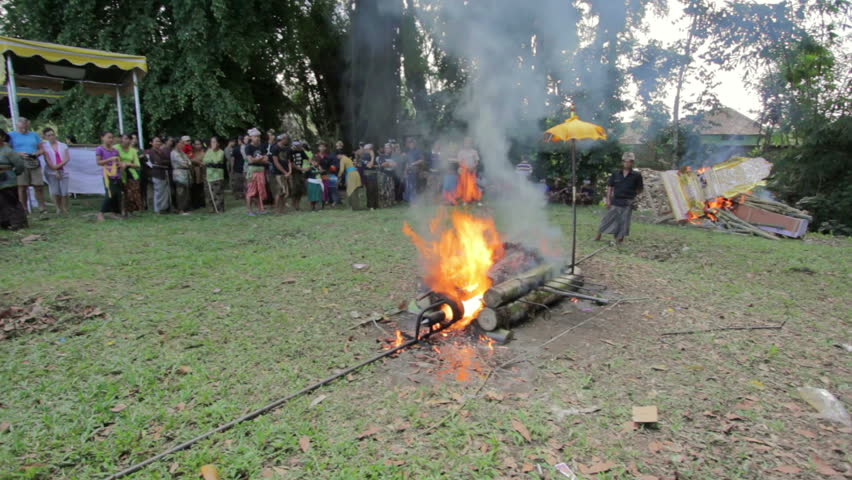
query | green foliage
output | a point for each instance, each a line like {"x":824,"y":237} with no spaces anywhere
{"x":818,"y":176}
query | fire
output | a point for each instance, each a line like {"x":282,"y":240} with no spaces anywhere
{"x":457,"y":257}
{"x":711,"y":208}
{"x":467,"y":190}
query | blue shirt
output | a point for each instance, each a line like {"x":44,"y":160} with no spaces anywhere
{"x":25,"y":142}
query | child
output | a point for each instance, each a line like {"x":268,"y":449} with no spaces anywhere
{"x":315,"y":186}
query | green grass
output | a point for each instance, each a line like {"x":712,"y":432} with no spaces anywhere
{"x":258,"y":307}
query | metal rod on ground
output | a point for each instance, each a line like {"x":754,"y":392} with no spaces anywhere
{"x":575,"y":295}
{"x":588,"y":257}
{"x":721,"y":329}
{"x":573,"y":203}
{"x":257,"y":413}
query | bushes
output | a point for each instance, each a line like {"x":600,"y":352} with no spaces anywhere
{"x":817,"y":176}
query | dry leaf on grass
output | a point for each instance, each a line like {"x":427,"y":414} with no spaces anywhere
{"x":823,"y":467}
{"x":369,"y":432}
{"x":788,"y":469}
{"x":522,"y":429}
{"x":5,"y":426}
{"x":184,"y":370}
{"x":317,"y":400}
{"x":806,"y":433}
{"x":118,"y":408}
{"x":528,"y":467}
{"x":173,"y":467}
{"x":596,"y":468}
{"x":31,"y":238}
{"x":655,"y":446}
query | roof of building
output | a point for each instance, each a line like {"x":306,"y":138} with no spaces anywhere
{"x":727,"y":121}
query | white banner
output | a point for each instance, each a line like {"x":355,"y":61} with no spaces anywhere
{"x":85,"y":175}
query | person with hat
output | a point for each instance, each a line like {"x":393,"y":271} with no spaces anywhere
{"x":623,"y":187}
{"x":257,"y":163}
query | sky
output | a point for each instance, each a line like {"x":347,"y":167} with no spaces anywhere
{"x":731,"y":91}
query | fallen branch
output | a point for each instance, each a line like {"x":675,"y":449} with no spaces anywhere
{"x":721,"y":329}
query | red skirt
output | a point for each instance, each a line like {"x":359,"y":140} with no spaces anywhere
{"x":257,"y":186}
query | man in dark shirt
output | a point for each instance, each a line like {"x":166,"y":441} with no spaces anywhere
{"x":622,"y":188}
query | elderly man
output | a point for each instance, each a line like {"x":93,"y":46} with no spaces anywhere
{"x":28,"y":145}
{"x":622,"y":188}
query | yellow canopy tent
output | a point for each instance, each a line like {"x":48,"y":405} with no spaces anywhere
{"x":49,"y":69}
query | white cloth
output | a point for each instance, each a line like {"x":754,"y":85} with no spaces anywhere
{"x":85,"y":175}
{"x":51,"y":154}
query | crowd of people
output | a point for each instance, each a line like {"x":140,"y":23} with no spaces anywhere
{"x":269,"y":172}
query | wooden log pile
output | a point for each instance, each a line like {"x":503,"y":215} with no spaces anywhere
{"x":529,"y":293}
{"x":752,"y":215}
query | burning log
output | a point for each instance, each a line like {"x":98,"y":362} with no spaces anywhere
{"x":518,"y":286}
{"x":511,"y":314}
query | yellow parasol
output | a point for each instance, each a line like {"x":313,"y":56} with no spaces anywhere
{"x":572,"y":130}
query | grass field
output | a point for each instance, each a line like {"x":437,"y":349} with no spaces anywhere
{"x":170,"y":326}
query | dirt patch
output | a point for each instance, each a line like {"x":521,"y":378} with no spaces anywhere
{"x":36,"y":315}
{"x":467,"y":357}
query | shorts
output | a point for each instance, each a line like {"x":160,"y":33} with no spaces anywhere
{"x":275,"y":186}
{"x":58,"y":186}
{"x":31,"y":176}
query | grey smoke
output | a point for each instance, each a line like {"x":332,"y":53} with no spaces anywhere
{"x":517,"y":52}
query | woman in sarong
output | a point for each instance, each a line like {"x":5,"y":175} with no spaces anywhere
{"x":12,"y":213}
{"x":315,"y":184}
{"x":181,"y":165}
{"x":199,"y":174}
{"x":130,"y":176}
{"x":371,"y":176}
{"x":214,"y":163}
{"x":107,"y":157}
{"x":386,"y":165}
{"x":355,"y":193}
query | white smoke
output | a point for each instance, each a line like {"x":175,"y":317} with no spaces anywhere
{"x":518,"y":52}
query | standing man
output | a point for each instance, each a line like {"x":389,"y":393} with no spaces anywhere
{"x":524,"y":169}
{"x":414,"y":162}
{"x":28,"y":145}
{"x":623,"y":187}
{"x":257,"y":161}
{"x":280,"y":170}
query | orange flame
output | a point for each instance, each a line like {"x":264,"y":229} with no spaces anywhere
{"x":467,"y":190}
{"x":457,"y":259}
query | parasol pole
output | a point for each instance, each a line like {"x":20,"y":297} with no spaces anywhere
{"x":573,"y":202}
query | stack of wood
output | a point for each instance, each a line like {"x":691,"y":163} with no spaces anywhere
{"x":511,"y":302}
{"x":653,"y":196}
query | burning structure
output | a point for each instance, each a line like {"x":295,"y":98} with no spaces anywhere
{"x":721,"y":196}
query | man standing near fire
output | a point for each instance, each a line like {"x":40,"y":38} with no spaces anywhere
{"x":622,"y":188}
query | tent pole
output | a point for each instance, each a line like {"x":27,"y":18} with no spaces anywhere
{"x":573,"y":203}
{"x":138,"y":112}
{"x":119,"y":110}
{"x":12,"y":91}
